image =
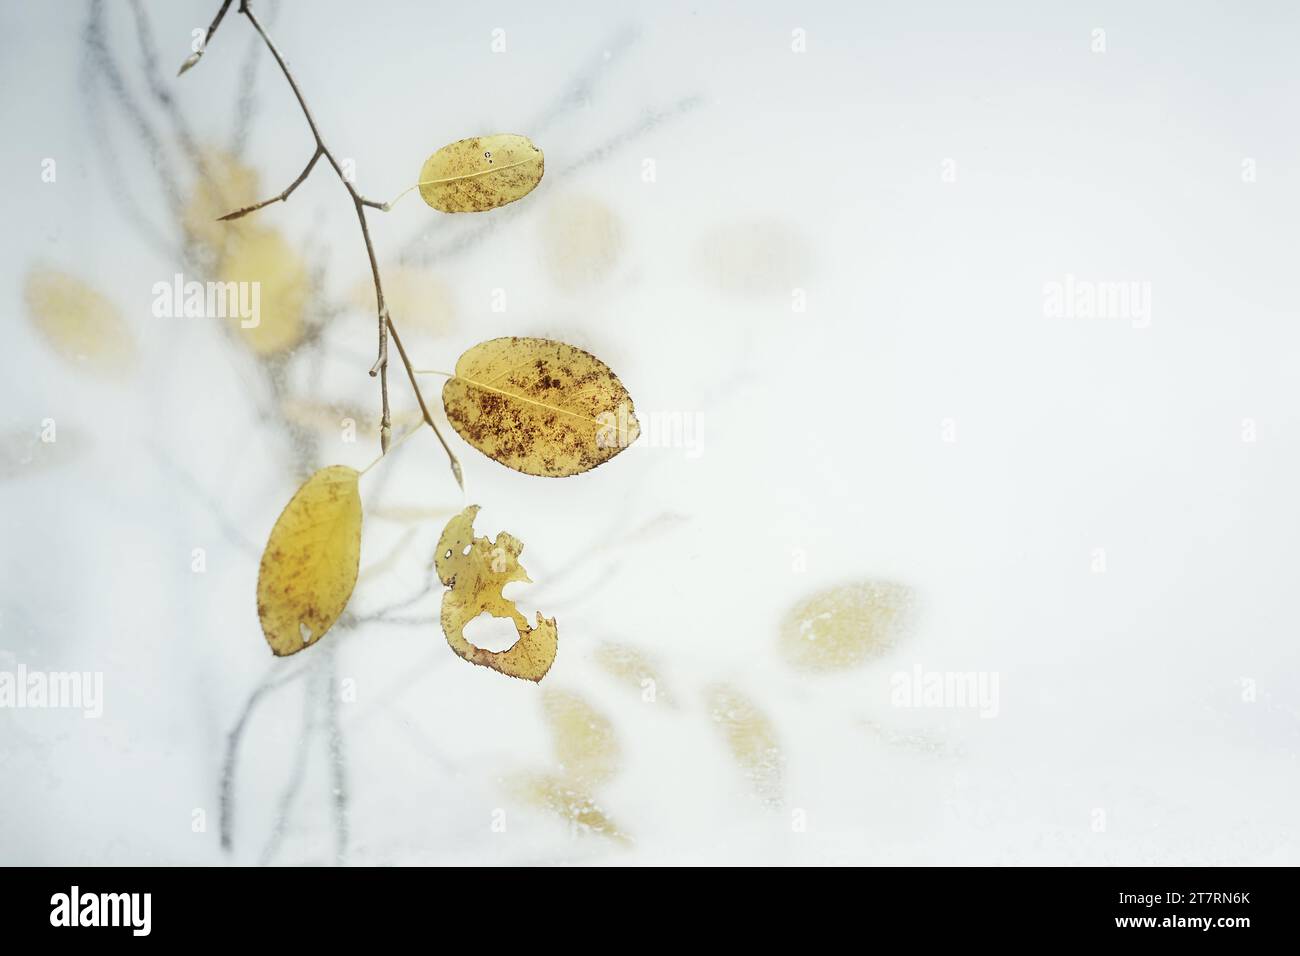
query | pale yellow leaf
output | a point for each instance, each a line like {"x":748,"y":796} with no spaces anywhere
{"x":582,"y":240}
{"x":845,"y":626}
{"x":419,"y":302}
{"x":480,"y":173}
{"x":632,"y":667}
{"x":763,"y":257}
{"x":567,"y":800}
{"x":309,"y":567}
{"x":751,"y":738}
{"x":79,"y":324}
{"x":264,"y":257}
{"x":335,"y":418}
{"x":223,"y":185}
{"x":585,"y":743}
{"x":539,"y":406}
{"x":475,"y":570}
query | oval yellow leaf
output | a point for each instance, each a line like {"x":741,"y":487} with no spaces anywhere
{"x":476,"y":569}
{"x":845,"y":626}
{"x":78,"y":323}
{"x":630,"y":666}
{"x":420,"y":303}
{"x":567,"y":800}
{"x":279,"y":286}
{"x":539,"y":406}
{"x":582,"y":240}
{"x":224,"y":184}
{"x":750,"y":737}
{"x":309,"y":567}
{"x":585,"y":744}
{"x":481,"y":173}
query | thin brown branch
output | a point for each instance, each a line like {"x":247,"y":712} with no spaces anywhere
{"x":385,"y":325}
{"x":424,"y":409}
{"x":240,"y":213}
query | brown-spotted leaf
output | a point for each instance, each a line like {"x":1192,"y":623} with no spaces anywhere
{"x":481,"y":173}
{"x":845,"y":626}
{"x":539,"y":406}
{"x":309,"y":567}
{"x":475,"y":570}
{"x":751,"y":738}
{"x":78,"y":323}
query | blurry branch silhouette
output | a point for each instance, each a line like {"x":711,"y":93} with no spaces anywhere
{"x":113,"y":110}
{"x":359,"y":202}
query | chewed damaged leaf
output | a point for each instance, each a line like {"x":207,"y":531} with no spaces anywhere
{"x":309,"y":567}
{"x":475,"y":570}
{"x":539,"y":406}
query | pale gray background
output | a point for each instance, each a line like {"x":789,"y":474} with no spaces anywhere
{"x":822,"y":432}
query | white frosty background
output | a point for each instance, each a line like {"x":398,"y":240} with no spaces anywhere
{"x":822,"y":434}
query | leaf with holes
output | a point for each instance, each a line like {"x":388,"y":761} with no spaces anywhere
{"x":475,"y":570}
{"x":539,"y":406}
{"x":481,"y":173}
{"x":309,"y":567}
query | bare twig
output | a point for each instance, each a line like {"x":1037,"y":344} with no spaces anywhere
{"x":385,"y":325}
{"x":193,"y":58}
{"x":228,"y":765}
{"x":240,"y":213}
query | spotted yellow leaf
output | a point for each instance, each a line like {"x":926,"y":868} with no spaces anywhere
{"x":481,"y":173}
{"x":475,"y":570}
{"x":309,"y":567}
{"x":750,"y":737}
{"x":278,"y":280}
{"x":845,"y":626}
{"x":78,"y":323}
{"x":585,"y":744}
{"x":539,"y":406}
